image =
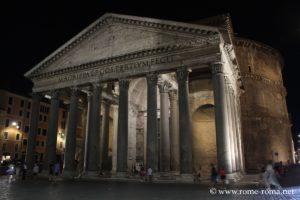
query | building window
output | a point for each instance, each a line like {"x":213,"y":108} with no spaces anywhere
{"x":10,"y":100}
{"x":44,"y":132}
{"x":26,"y":129}
{"x":22,"y":103}
{"x":29,"y":105}
{"x":41,"y":118}
{"x":39,"y":131}
{"x":5,"y":134}
{"x":28,"y":114}
{"x":42,"y":143}
{"x":41,"y":157}
{"x":45,"y":118}
{"x":8,"y":110}
{"x":3,"y":147}
{"x":25,"y":142}
{"x":7,"y":123}
{"x":37,"y":143}
{"x":62,"y":125}
{"x":18,"y":136}
{"x":61,"y":145}
{"x":21,"y":112}
{"x":16,"y":147}
{"x":16,"y":156}
{"x":64,"y":114}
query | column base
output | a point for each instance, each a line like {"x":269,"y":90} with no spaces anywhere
{"x":233,"y":177}
{"x":69,"y":174}
{"x":90,"y":175}
{"x":186,"y":178}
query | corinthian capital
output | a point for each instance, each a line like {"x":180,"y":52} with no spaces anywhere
{"x":124,"y":83}
{"x":152,"y":78}
{"x":164,"y":86}
{"x":217,"y":68}
{"x":54,"y":94}
{"x":182,"y":74}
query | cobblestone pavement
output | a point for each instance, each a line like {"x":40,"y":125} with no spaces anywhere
{"x":90,"y":190}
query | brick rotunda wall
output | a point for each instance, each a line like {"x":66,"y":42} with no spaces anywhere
{"x":266,"y":128}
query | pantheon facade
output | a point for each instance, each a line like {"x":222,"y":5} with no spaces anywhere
{"x":168,"y":95}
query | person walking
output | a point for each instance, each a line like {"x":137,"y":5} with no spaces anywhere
{"x":35,"y":170}
{"x":213,"y":175}
{"x":271,"y":178}
{"x":56,"y":170}
{"x":149,"y":174}
{"x":24,"y":171}
{"x":11,"y":173}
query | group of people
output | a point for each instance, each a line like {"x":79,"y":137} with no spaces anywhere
{"x":217,"y":176}
{"x":54,"y":171}
{"x":140,"y":170}
{"x":16,"y":171}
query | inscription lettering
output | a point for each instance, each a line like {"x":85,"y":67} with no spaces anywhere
{"x":135,"y":66}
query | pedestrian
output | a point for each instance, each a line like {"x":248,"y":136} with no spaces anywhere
{"x":213,"y":174}
{"x":149,"y":174}
{"x":271,"y":178}
{"x":24,"y":171}
{"x":11,"y":173}
{"x":35,"y":170}
{"x":222,"y":176}
{"x":51,"y":171}
{"x":56,"y":170}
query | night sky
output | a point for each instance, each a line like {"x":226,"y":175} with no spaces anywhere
{"x":31,"y":30}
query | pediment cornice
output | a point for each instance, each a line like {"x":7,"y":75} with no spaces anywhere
{"x":109,"y":18}
{"x":197,"y":43}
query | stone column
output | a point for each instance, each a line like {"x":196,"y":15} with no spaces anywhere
{"x":222,"y":135}
{"x":230,"y":122}
{"x":234,"y":124}
{"x":104,"y":140}
{"x":50,"y":154}
{"x":94,"y":133}
{"x":236,"y":132}
{"x":184,"y":122}
{"x":123,"y":127}
{"x":152,"y":146}
{"x":115,"y":138}
{"x":174,"y":132}
{"x":30,"y":151}
{"x":164,"y":127}
{"x":88,"y":113}
{"x":71,"y":133}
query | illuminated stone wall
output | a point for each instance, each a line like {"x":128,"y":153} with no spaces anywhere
{"x":265,"y":123}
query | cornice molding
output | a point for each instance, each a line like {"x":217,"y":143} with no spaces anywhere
{"x":274,"y":84}
{"x":243,"y":42}
{"x":134,"y":55}
{"x":108,"y":19}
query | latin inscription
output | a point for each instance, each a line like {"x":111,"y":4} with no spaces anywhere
{"x":134,"y":67}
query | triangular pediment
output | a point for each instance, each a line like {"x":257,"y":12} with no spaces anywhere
{"x":114,"y":35}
